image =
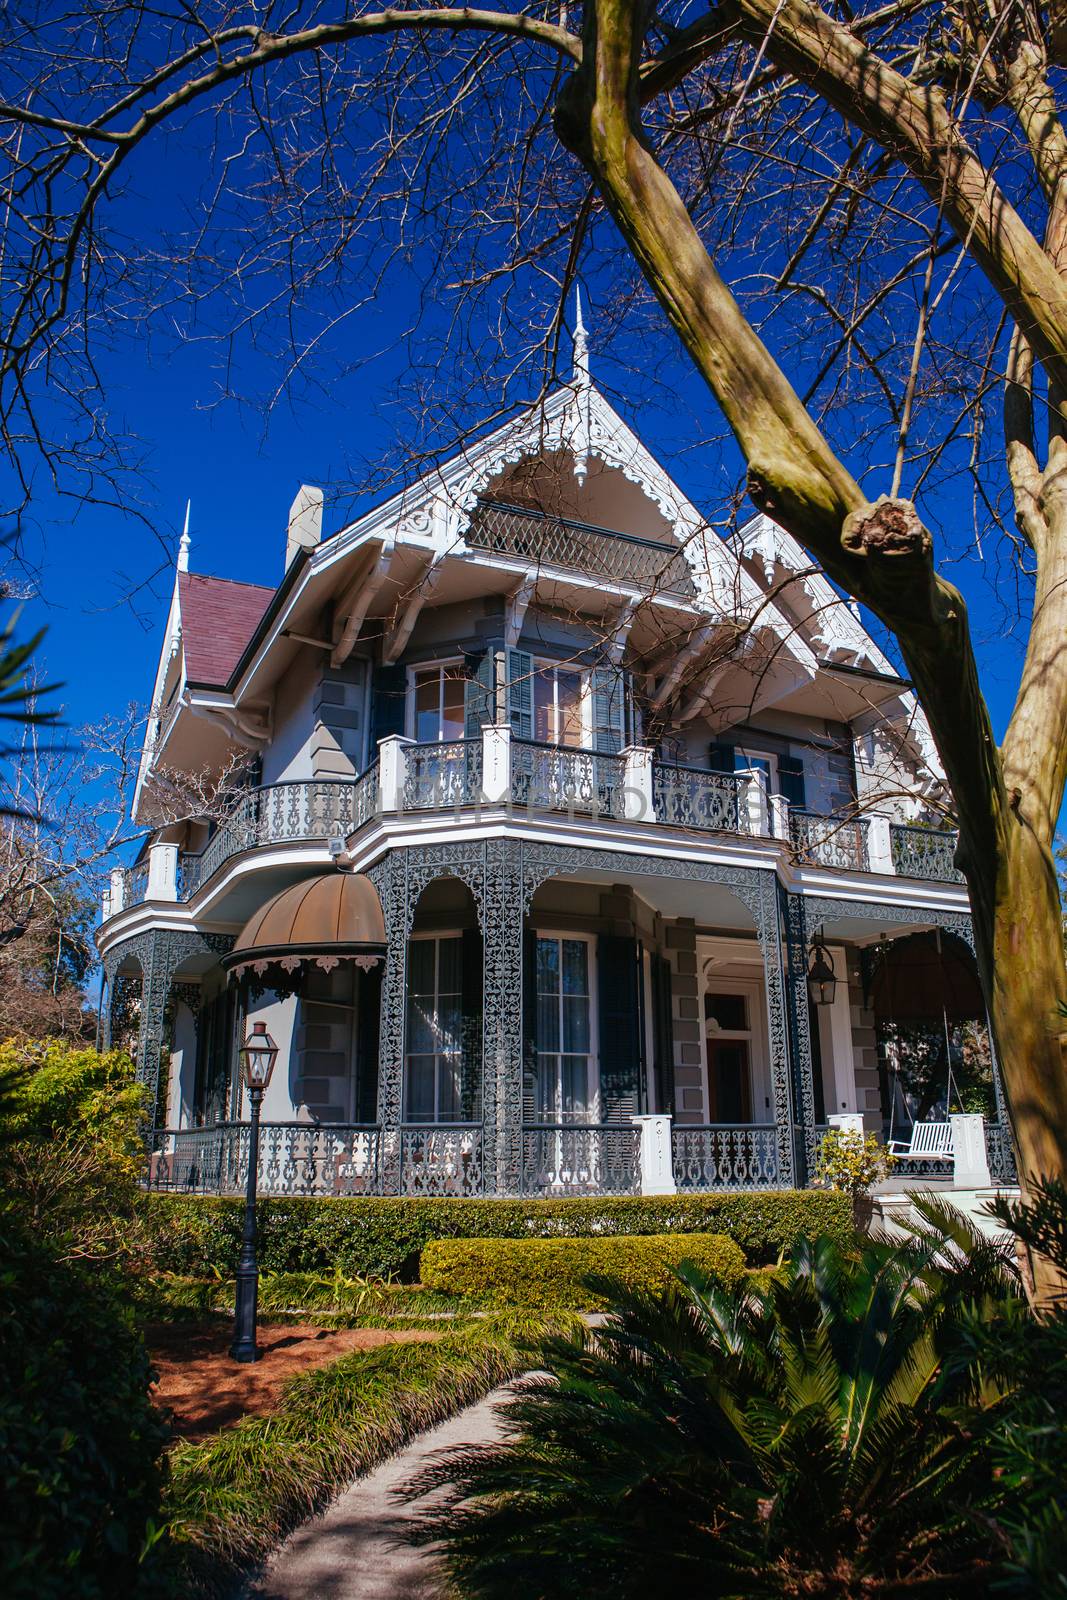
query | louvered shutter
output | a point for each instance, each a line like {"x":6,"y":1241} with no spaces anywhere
{"x":609,"y":709}
{"x":791,"y":780}
{"x":388,"y":703}
{"x":520,"y":693}
{"x":479,"y":695}
{"x":618,"y":993}
{"x":368,"y":1014}
{"x":721,"y":756}
{"x":662,"y":1034}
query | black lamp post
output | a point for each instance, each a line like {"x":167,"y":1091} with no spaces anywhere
{"x":822,"y":979}
{"x":258,"y":1055}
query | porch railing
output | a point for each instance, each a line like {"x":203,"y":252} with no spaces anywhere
{"x":295,"y":1158}
{"x":567,"y":1158}
{"x":440,"y":776}
{"x":1000,"y":1153}
{"x":829,"y":841}
{"x":725,"y":1156}
{"x":694,"y":798}
{"x":316,"y":808}
{"x":547,"y":541}
{"x":550,"y":777}
{"x":924,"y":852}
{"x":440,"y":1160}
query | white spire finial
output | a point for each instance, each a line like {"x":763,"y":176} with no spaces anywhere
{"x":581,"y":343}
{"x":183,"y":547}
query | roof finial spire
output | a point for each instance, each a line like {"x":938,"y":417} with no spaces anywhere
{"x":581,"y":343}
{"x":185,"y":542}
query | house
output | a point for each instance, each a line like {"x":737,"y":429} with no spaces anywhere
{"x":560,"y":809}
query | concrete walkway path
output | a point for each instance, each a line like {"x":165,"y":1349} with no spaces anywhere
{"x":352,"y":1552}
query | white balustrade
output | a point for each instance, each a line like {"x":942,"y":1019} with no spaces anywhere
{"x":758,"y":809}
{"x":117,"y":897}
{"x":879,"y":845}
{"x":847,"y":1122}
{"x":496,"y":763}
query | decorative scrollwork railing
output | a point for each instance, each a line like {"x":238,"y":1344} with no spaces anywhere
{"x":439,"y":1159}
{"x":135,"y":884}
{"x":924,"y":852}
{"x":312,"y":809}
{"x":295,"y":1158}
{"x":1000,"y":1153}
{"x":829,"y":841}
{"x":691,"y":797}
{"x":547,"y":541}
{"x":550,"y":777}
{"x":438,"y":777}
{"x":725,"y":1157}
{"x":566,"y":1158}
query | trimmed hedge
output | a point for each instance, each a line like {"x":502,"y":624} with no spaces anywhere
{"x":384,"y":1238}
{"x":553,"y":1272}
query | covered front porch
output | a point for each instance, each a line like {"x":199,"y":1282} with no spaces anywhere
{"x":535,"y":1019}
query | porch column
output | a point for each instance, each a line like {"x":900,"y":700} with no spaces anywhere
{"x":503,"y":920}
{"x":390,"y":880}
{"x":802,"y":1073}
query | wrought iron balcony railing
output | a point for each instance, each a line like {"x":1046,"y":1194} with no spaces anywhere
{"x":547,"y":541}
{"x":924,"y":853}
{"x":693,"y":798}
{"x":438,"y":777}
{"x":721,"y":1156}
{"x":567,"y":1158}
{"x":826,"y":841}
{"x":548,"y":777}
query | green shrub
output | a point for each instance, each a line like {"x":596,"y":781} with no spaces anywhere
{"x":80,"y":1442}
{"x":382,"y":1238}
{"x":553,"y":1272}
{"x":53,"y":1089}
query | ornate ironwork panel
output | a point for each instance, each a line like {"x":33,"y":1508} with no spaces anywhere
{"x":715,"y":802}
{"x":295,"y":1158}
{"x":547,"y":541}
{"x":795,"y":916}
{"x":502,"y":978}
{"x":722,"y":1157}
{"x":1000,"y":1153}
{"x":924,"y":853}
{"x":563,"y":1158}
{"x":547,"y":777}
{"x":830,"y":841}
{"x":135,"y":884}
{"x":439,"y":777}
{"x":441,"y":1160}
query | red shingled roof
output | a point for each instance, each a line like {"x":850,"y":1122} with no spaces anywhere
{"x":218,"y":619}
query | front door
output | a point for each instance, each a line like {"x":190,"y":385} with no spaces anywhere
{"x":729,"y":1079}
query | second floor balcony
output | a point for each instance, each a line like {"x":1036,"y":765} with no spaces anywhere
{"x":499,"y":770}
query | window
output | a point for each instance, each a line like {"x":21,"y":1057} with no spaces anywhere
{"x":564,"y":1031}
{"x":758,"y":761}
{"x":438,"y":696}
{"x":435,"y":1030}
{"x":560,"y":705}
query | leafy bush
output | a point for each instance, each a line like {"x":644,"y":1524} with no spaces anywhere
{"x":80,"y":1442}
{"x":817,"y":1437}
{"x":375,"y":1238}
{"x":554,"y":1272}
{"x":849,"y":1162}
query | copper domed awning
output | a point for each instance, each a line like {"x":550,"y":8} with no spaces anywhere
{"x":326,"y":919}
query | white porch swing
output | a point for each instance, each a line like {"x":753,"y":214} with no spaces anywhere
{"x":930,"y":1140}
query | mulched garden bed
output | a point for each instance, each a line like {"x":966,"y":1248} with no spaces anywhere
{"x":205,"y":1390}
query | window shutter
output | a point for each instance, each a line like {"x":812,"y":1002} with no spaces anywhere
{"x":618,"y":992}
{"x":721,"y":756}
{"x":479,"y":694}
{"x":520,"y":693}
{"x":791,"y":779}
{"x":470,"y":1091}
{"x":662,"y":1035}
{"x":529,"y":1025}
{"x":368,"y":1013}
{"x":388,"y":704}
{"x":609,"y":709}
